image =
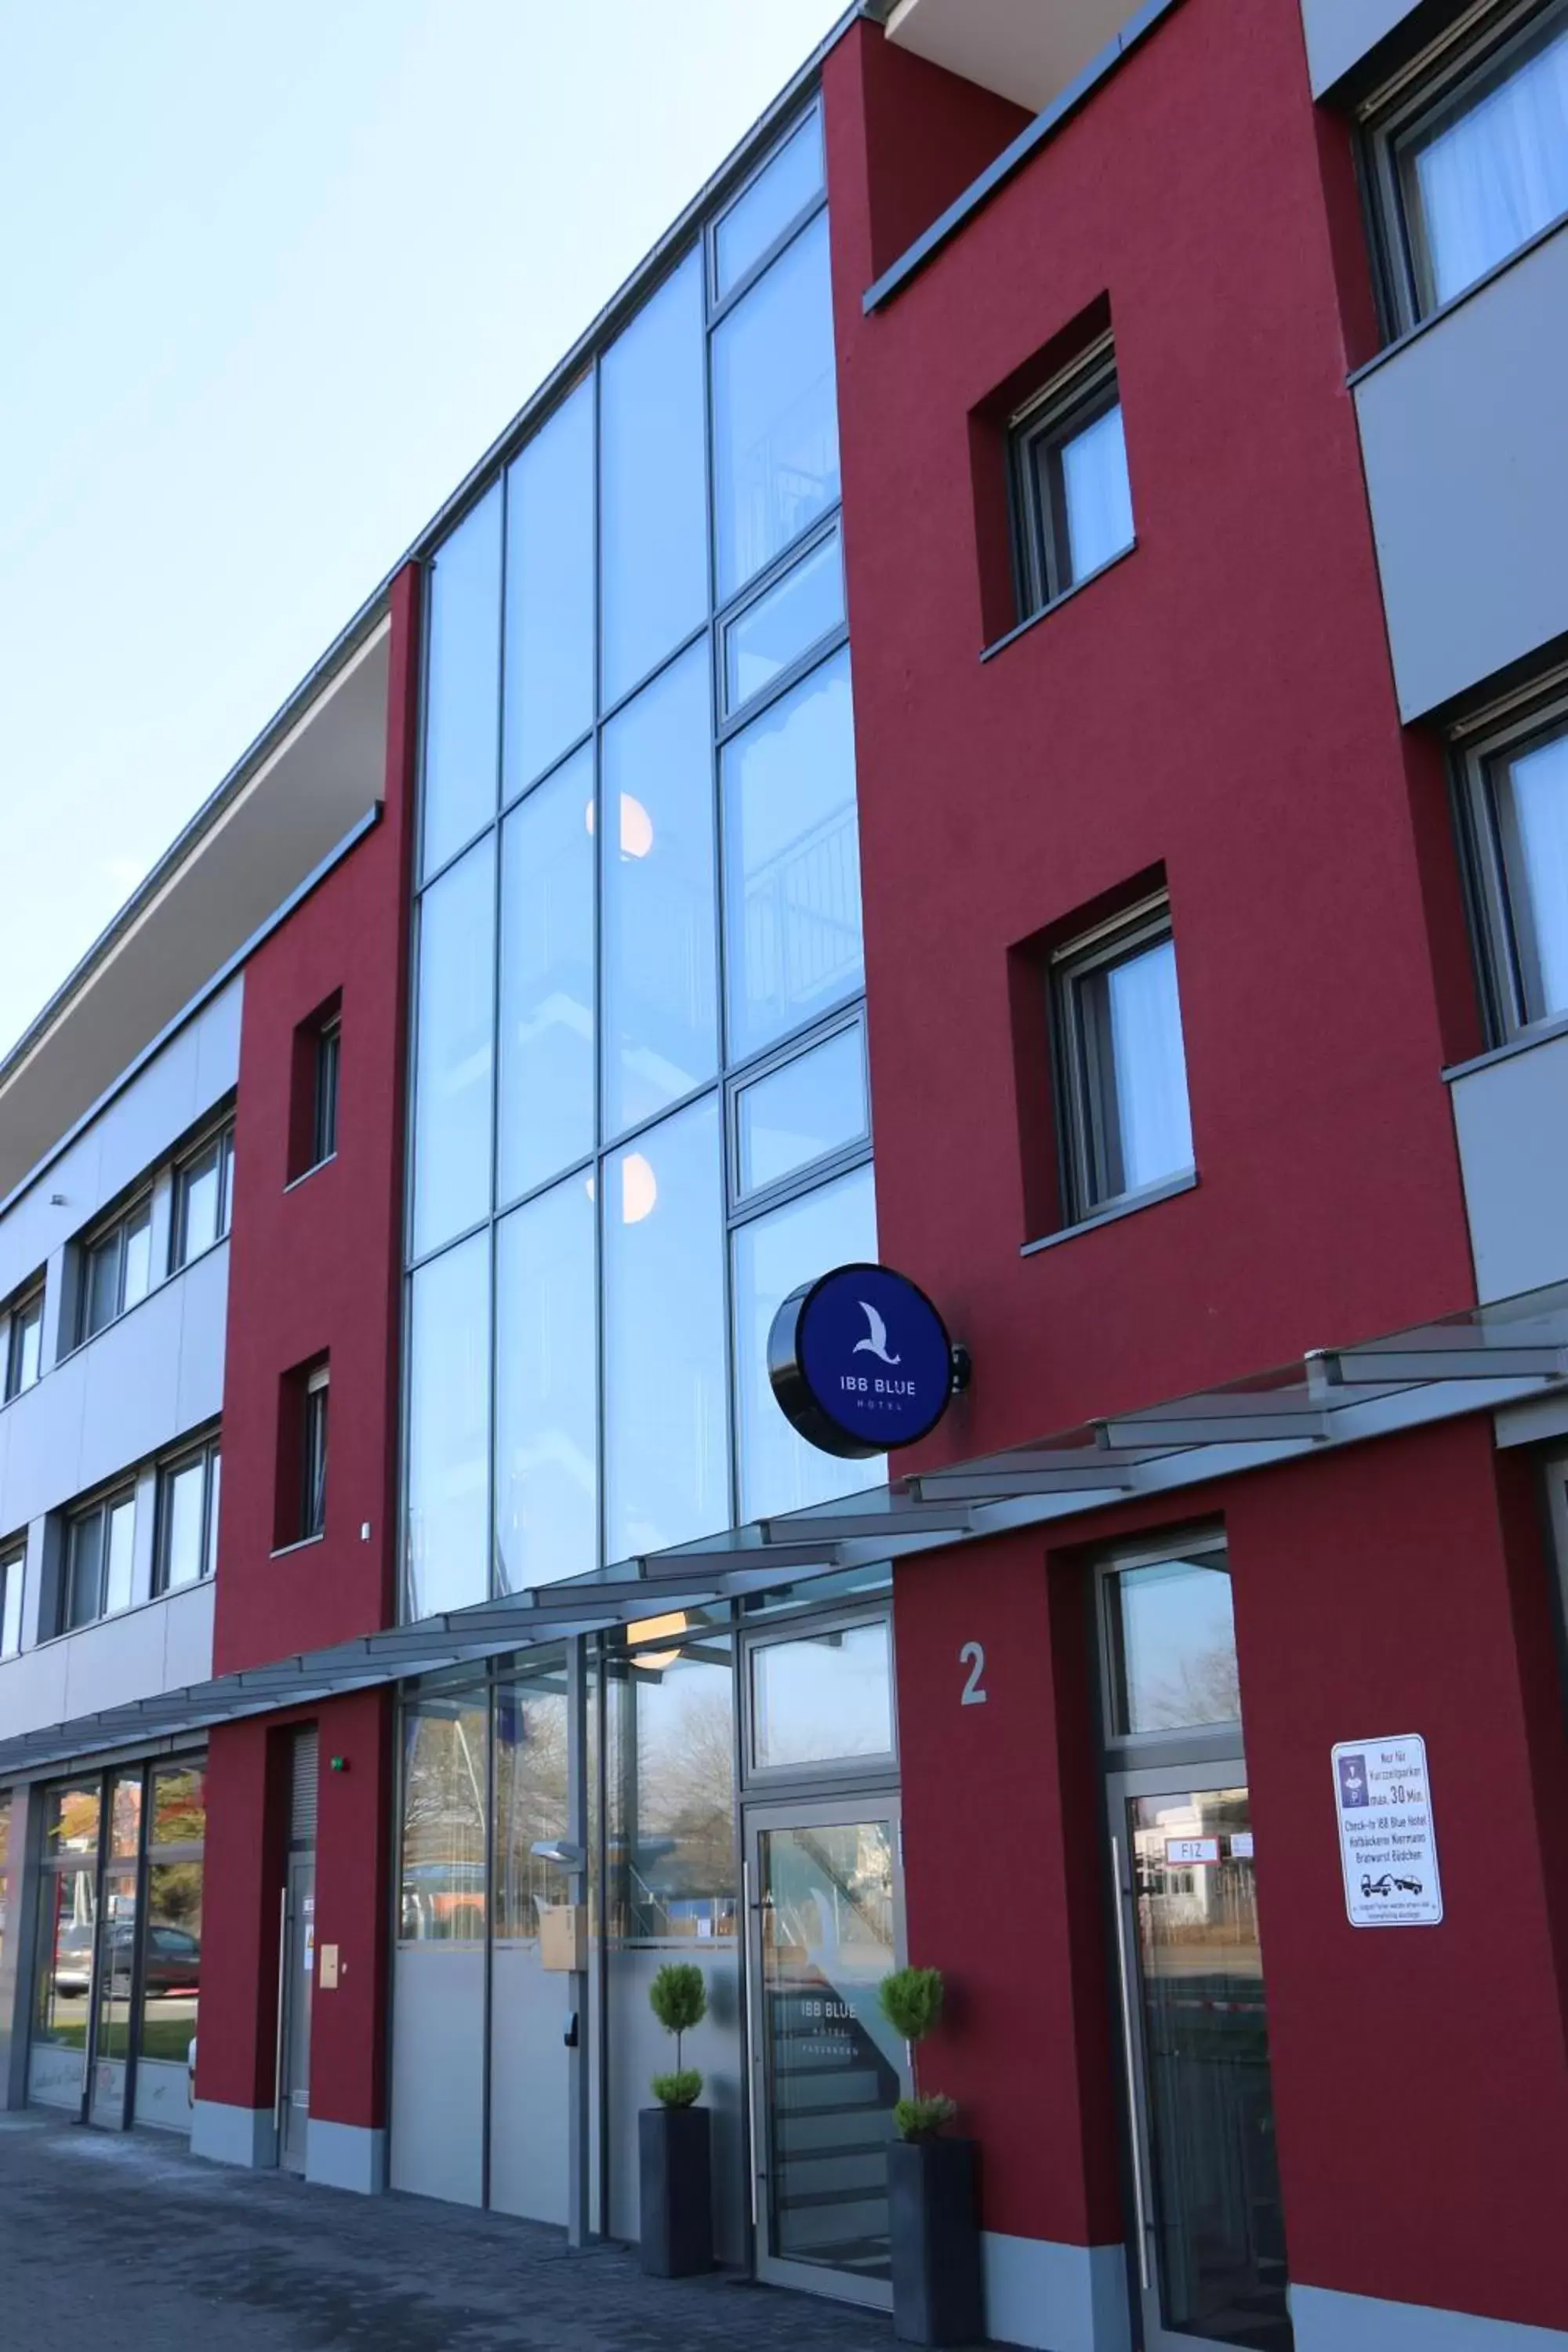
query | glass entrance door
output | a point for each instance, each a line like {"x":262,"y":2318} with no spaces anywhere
{"x":1210,"y":2253}
{"x":299,"y":1975}
{"x":112,"y":1993}
{"x":825,"y":1926}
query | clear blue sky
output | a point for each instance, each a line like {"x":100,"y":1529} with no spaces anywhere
{"x":272,"y":274}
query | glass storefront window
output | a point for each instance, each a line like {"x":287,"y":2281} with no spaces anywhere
{"x":68,"y":1916}
{"x":455,"y":1019}
{"x":780,"y":193}
{"x":671,"y":1790}
{"x":827,"y":1698}
{"x":125,"y":1813}
{"x":530,"y":1799}
{"x":666,"y":1429}
{"x":775,"y":415}
{"x":834,"y":1226}
{"x":547,"y":1405}
{"x":546,"y":1097}
{"x":449,"y":1430}
{"x":1173,"y":1647}
{"x":462,"y":683}
{"x":444,"y":1764}
{"x":774,"y":631}
{"x":653,"y":477}
{"x":659,"y":942}
{"x":70,"y":1819}
{"x":792,"y":862}
{"x":809,"y":1106}
{"x":171,"y":1961}
{"x":550,"y":592}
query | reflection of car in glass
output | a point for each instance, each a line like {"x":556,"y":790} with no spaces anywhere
{"x":172,"y":1962}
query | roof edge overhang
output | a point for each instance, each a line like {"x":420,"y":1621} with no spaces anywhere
{"x":1487,"y":1359}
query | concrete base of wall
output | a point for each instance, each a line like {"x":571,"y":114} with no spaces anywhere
{"x":1055,"y":2298}
{"x":1327,"y":2321}
{"x":346,"y":2156}
{"x":225,"y":2135}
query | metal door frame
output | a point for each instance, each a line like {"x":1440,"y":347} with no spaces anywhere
{"x":777,"y":1813}
{"x":1149,"y":1781}
{"x":290,"y":1972}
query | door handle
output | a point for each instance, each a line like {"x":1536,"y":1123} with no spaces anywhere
{"x":1139,"y":2198}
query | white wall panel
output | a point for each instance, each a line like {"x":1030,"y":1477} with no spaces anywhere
{"x":1340,"y":33}
{"x":1511,"y":1117}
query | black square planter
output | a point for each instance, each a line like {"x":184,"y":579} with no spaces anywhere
{"x":933,"y":2222}
{"x":675,"y":2177}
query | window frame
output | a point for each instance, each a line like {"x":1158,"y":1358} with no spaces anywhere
{"x":315,"y":1438}
{"x":221,"y":1140}
{"x":1501,"y":926}
{"x":1206,"y":1546}
{"x":1466,"y":56}
{"x":325,"y":1079}
{"x":1082,"y":1066}
{"x":102,"y":1506}
{"x":208,"y":1453}
{"x":116,"y":1230}
{"x":21,"y":1309}
{"x":12,"y":1564}
{"x":1037,"y":435}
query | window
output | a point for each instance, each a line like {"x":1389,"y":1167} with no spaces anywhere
{"x":1072,"y":501}
{"x":25,"y":1343}
{"x":1470,"y":156}
{"x":117,"y":1268}
{"x":1517,"y":803}
{"x":203,"y":1186}
{"x":1171,"y":1646}
{"x":187,"y":1519}
{"x":324,"y":1119}
{"x":13,"y":1570}
{"x":99,"y":1548}
{"x":1122,"y":1077}
{"x":313,"y":1456}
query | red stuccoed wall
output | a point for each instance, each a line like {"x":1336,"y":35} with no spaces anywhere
{"x":1220,"y":705}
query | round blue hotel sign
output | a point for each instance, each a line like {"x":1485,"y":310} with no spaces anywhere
{"x":860,"y":1360}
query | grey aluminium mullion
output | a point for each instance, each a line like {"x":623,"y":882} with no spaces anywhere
{"x":601,"y":831}
{"x":720,"y":899}
{"x":492,"y":1353}
{"x":486,"y":2004}
{"x":745,"y":714}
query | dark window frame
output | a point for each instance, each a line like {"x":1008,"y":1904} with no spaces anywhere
{"x":1089,"y":1169}
{"x":324,"y":1092}
{"x":13,"y":1563}
{"x":208,"y":1454}
{"x":221,"y":1141}
{"x":1502,"y":921}
{"x":1036,"y":436}
{"x":1476,"y":50}
{"x":315,"y":1438}
{"x":114,"y":1230}
{"x":101,"y":1508}
{"x":23,"y":1308}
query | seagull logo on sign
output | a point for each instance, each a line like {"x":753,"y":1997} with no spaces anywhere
{"x":875,"y":1344}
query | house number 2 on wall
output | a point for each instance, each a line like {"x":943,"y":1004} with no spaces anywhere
{"x":973,"y":1656}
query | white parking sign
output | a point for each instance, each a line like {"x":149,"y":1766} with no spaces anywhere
{"x":1387,"y":1844}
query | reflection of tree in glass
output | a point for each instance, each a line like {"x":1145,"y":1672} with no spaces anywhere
{"x":530,"y":1804}
{"x":179,"y":1808}
{"x":1204,"y":1688}
{"x":443,"y":1818}
{"x":671,"y":1812}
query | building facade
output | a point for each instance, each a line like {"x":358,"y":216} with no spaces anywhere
{"x":1005,"y":713}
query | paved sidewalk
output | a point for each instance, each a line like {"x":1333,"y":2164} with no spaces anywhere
{"x":134,"y":2245}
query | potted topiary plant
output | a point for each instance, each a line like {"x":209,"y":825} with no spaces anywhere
{"x":933,"y":2218}
{"x":675,"y":2155}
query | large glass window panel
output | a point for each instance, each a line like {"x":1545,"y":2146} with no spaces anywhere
{"x":792,"y":862}
{"x":445,"y":1774}
{"x":179,"y":1814}
{"x":550,"y":592}
{"x":1491,"y":169}
{"x":67,"y":1917}
{"x":784,"y":622}
{"x":775,"y":416}
{"x":103,"y":1284}
{"x":835,"y":1226}
{"x":546,"y":1099}
{"x":181,"y":1506}
{"x":666,"y":1439}
{"x":70,"y":1818}
{"x":84,"y":1569}
{"x":118,"y":1550}
{"x":1533,"y":809}
{"x":462,"y":683}
{"x":547,"y":1489}
{"x":170,"y":1961}
{"x":800,"y":1112}
{"x":13,"y":1572}
{"x":125,"y":1814}
{"x":824,"y":1698}
{"x":138,"y":1254}
{"x":763,"y":211}
{"x":672,"y":1790}
{"x":449,"y":1430}
{"x":660,"y":978}
{"x":1096,"y":497}
{"x":455,"y":1018}
{"x":653,"y":508}
{"x":1173,"y":1644}
{"x":1136,"y":1004}
{"x":530,"y":1797}
{"x":198,"y":1197}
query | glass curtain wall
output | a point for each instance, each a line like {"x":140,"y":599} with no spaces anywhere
{"x":640,"y":1111}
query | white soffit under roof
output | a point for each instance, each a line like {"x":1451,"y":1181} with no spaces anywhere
{"x":1028,"y":51}
{"x":260,"y":844}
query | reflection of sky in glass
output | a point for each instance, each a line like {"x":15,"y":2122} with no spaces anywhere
{"x":775,"y":415}
{"x":653,"y":482}
{"x":1539,"y":780}
{"x":546,"y":1400}
{"x":1178,"y":1647}
{"x":815,"y":1701}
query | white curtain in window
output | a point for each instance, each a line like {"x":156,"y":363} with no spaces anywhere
{"x":1095,"y":490}
{"x":1150,"y":1069}
{"x":1538,"y":783}
{"x":1489,"y":178}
